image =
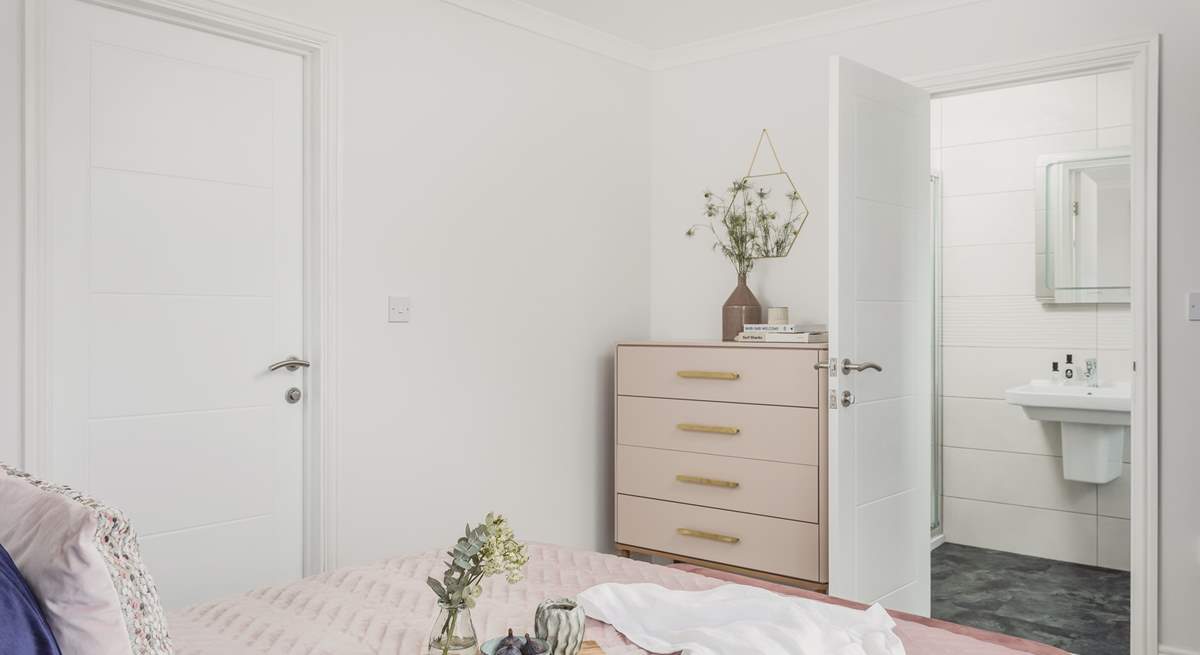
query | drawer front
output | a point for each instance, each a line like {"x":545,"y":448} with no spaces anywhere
{"x":744,"y":485}
{"x":773,"y":376}
{"x":766,"y":544}
{"x":779,"y":434}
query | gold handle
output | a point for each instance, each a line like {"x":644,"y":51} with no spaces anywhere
{"x":711,"y":429}
{"x":711,"y":536}
{"x":708,"y":482}
{"x":708,"y":375}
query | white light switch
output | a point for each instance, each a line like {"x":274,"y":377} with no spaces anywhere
{"x":1194,"y":306}
{"x":399,"y":309}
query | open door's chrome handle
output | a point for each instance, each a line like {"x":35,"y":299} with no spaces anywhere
{"x":291,"y":363}
{"x":848,"y":366}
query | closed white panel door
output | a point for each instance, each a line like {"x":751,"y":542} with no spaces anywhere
{"x":880,"y":312}
{"x":174,"y":199}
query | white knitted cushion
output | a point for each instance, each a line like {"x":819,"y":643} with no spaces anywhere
{"x":81,"y":559}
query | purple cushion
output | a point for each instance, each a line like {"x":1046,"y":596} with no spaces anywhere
{"x":23,"y":628}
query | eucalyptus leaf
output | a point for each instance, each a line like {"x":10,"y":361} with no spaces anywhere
{"x":437,"y":588}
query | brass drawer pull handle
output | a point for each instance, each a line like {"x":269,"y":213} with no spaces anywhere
{"x":710,"y":429}
{"x":709,"y":375}
{"x":711,"y":536}
{"x":708,"y":482}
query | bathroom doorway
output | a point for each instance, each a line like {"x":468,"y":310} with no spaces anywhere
{"x":1037,"y":264}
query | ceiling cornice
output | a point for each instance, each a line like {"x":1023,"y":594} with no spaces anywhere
{"x":551,"y":25}
{"x":798,"y":29}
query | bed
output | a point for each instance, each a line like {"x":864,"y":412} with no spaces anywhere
{"x":82,"y":561}
{"x":386,"y":608}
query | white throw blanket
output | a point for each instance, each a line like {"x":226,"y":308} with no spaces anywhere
{"x":738,"y":620}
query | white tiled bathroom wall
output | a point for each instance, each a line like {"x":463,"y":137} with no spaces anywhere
{"x":1002,"y":472}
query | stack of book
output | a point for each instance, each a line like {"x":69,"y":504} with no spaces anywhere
{"x":786,"y":333}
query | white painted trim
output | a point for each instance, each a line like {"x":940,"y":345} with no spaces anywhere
{"x":1171,"y":650}
{"x":322,"y":188}
{"x":1073,"y":63}
{"x":936,"y":540}
{"x":806,"y":27}
{"x":1144,"y":483}
{"x":1141,"y":57}
{"x":36,"y":307}
{"x":551,"y":25}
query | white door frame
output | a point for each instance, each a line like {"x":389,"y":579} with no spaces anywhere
{"x":1142,"y":58}
{"x":319,"y":51}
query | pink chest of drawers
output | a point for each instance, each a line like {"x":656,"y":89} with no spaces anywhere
{"x":721,"y":456}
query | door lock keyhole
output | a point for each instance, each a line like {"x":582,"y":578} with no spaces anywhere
{"x":293,"y":395}
{"x":847,"y":399}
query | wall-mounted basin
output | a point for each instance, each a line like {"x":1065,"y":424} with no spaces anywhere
{"x":1095,"y":423}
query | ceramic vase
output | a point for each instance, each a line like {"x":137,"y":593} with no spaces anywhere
{"x":560,"y":622}
{"x":741,"y":308}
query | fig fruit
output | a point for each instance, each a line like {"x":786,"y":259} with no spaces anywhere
{"x":533,"y":646}
{"x":508,"y":650}
{"x":510,"y":640}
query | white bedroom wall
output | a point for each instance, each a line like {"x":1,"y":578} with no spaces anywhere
{"x":702,"y":129}
{"x":1002,"y":471}
{"x":706,"y":121}
{"x":500,"y":179}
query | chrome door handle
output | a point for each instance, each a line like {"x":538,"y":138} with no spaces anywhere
{"x":291,"y":363}
{"x":848,"y":366}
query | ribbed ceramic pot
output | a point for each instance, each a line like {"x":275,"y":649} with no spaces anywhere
{"x":560,"y":622}
{"x":741,"y":308}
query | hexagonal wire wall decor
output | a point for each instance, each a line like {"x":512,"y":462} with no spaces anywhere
{"x":773,"y":237}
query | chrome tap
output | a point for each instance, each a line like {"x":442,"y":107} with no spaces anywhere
{"x":1091,"y":375}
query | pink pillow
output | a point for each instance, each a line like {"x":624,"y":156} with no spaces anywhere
{"x":82,"y":561}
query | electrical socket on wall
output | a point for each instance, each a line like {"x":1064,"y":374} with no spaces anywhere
{"x":399,"y":309}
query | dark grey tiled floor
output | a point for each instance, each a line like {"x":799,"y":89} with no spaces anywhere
{"x":1080,"y":609}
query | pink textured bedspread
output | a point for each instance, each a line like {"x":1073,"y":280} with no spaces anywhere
{"x":385,"y":608}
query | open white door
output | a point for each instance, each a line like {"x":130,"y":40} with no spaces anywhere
{"x":880,"y":295}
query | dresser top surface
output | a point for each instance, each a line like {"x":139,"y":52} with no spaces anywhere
{"x":726,"y":344}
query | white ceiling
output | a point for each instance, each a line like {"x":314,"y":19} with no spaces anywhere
{"x":657,"y":24}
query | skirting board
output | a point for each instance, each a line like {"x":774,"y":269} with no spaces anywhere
{"x":936,"y":540}
{"x":1172,"y":650}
